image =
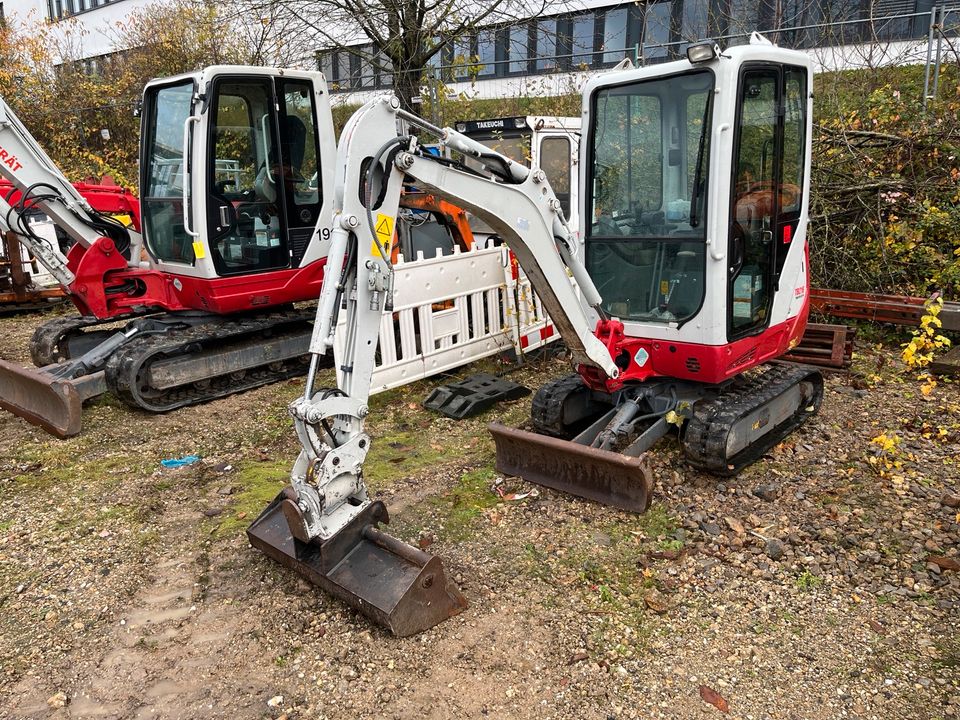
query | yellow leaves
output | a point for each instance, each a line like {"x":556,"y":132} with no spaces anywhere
{"x":919,"y":352}
{"x":886,"y":443}
{"x":886,"y":457}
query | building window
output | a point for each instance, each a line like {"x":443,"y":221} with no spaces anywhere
{"x":694,"y":21}
{"x":486,"y":53}
{"x":581,"y":40}
{"x":615,"y":35}
{"x":518,"y":48}
{"x":462,"y":57}
{"x":656,"y":31}
{"x":384,"y":69}
{"x":546,"y":46}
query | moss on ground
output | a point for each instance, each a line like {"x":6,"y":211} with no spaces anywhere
{"x":458,"y":509}
{"x":255,"y":485}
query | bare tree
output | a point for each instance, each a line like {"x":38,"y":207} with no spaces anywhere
{"x":405,"y":34}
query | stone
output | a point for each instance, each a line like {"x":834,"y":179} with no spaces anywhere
{"x":774,"y":549}
{"x":768,"y":492}
{"x":710,"y":528}
{"x":58,"y":701}
{"x":951,"y":500}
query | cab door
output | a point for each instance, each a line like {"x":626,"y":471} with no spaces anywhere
{"x":767,"y":189}
{"x":263,"y":184}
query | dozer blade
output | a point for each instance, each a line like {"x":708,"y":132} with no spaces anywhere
{"x":394,"y":584}
{"x":45,"y":400}
{"x":605,"y":477}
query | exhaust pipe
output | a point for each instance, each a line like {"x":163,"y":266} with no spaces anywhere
{"x":394,"y":584}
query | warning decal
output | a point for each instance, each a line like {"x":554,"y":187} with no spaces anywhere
{"x":384,"y":229}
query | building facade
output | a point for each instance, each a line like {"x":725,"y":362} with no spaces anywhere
{"x":92,"y":23}
{"x":552,"y":51}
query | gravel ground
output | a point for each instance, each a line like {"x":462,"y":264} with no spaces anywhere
{"x":822,"y":583}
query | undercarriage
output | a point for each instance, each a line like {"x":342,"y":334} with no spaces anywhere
{"x":592,"y":444}
{"x":155,"y":362}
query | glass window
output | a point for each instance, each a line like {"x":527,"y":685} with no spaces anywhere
{"x":486,"y":53}
{"x":581,"y":39}
{"x":250,"y":171}
{"x":751,"y":228}
{"x":615,"y":35}
{"x":166,"y":110}
{"x":694,"y":23}
{"x":342,"y":69}
{"x":300,"y":143}
{"x":462,"y":57}
{"x":656,"y":31}
{"x":794,"y":136}
{"x":514,"y":146}
{"x":517,"y":48}
{"x":384,"y":69}
{"x":546,"y":45}
{"x":555,"y":162}
{"x":367,"y":76}
{"x":646,"y":190}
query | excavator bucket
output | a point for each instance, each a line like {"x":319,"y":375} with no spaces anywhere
{"x":41,"y":398}
{"x":605,"y":477}
{"x":394,"y":584}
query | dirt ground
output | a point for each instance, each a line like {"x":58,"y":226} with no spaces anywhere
{"x":821,"y":583}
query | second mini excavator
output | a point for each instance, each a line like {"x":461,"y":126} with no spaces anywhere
{"x":695,"y":177}
{"x":234,"y":216}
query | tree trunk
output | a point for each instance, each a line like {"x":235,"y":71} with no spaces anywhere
{"x":407,"y":87}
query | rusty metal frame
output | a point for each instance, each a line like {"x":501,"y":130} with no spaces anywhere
{"x":895,"y":309}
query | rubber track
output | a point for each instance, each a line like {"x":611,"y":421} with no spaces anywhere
{"x":705,"y":436}
{"x":546,"y":409}
{"x":45,"y":345}
{"x":131,"y":361}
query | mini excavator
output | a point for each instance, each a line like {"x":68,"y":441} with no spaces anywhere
{"x":695,"y":178}
{"x":230,"y":231}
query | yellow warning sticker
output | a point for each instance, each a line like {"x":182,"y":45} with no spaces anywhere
{"x":664,"y":287}
{"x":199,"y":251}
{"x":384,"y":229}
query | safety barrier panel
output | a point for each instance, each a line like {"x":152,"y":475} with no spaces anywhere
{"x":451,"y":310}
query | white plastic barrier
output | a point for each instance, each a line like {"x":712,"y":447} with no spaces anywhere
{"x":451,"y":310}
{"x":532,"y":325}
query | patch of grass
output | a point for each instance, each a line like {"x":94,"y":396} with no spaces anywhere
{"x":807,"y":581}
{"x":673,"y":545}
{"x":398,"y":454}
{"x":537,"y":562}
{"x":948,"y":654}
{"x":258,"y":483}
{"x":464,"y":503}
{"x":657,"y":522}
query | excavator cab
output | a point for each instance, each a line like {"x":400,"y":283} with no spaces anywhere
{"x":236,"y":166}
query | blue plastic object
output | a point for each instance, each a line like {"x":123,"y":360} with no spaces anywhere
{"x":180,"y":462}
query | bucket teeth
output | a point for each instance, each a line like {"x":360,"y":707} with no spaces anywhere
{"x":394,"y":584}
{"x":605,"y":477}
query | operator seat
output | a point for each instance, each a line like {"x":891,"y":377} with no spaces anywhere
{"x":293,"y":145}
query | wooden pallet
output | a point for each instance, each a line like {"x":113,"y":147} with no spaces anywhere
{"x":824,"y":345}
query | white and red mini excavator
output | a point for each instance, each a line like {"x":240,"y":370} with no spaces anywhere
{"x":232,"y":226}
{"x":691,"y":264}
